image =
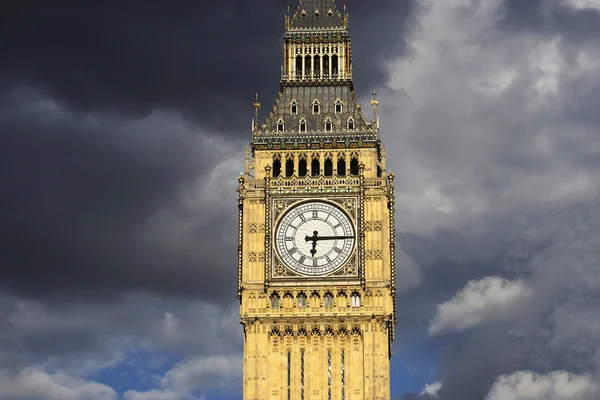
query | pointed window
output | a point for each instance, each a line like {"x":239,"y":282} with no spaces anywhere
{"x":330,"y":13}
{"x":275,"y":300}
{"x":354,"y":165}
{"x":302,"y":165}
{"x":316,"y":107}
{"x":280,"y":126}
{"x":289,"y":167}
{"x":328,"y":125}
{"x":355,"y":298}
{"x":294,"y":108}
{"x":341,"y":166}
{"x":276,"y":166}
{"x":328,"y":166}
{"x":317,"y":13}
{"x":315,"y":166}
{"x":338,"y":107}
{"x":302,"y":125}
{"x":301,"y":300}
{"x":328,"y":300}
{"x":350,"y":124}
{"x":303,"y":13}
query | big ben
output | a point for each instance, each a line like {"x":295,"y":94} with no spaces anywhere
{"x":316,"y":238}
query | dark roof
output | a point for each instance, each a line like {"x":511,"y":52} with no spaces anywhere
{"x":317,"y":14}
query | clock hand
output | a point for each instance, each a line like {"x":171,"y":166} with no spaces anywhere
{"x":315,"y":237}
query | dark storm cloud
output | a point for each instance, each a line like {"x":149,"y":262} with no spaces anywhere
{"x":551,"y":17}
{"x":205,"y":59}
{"x":79,"y":198}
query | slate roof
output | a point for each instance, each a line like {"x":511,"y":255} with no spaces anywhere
{"x":313,"y":20}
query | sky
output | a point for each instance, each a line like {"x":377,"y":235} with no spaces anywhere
{"x":123,"y":126}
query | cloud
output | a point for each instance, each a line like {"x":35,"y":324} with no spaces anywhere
{"x":480,"y":301}
{"x":189,"y":376}
{"x":432,"y":389}
{"x":583,"y":4}
{"x":36,"y":384}
{"x":559,"y":385}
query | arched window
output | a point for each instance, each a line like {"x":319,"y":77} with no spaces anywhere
{"x":341,"y":165}
{"x":294,"y":108}
{"x":338,"y":107}
{"x":350,"y":124}
{"x":317,"y":63}
{"x":355,"y":299}
{"x":316,"y":107}
{"x":379,"y":171}
{"x":307,"y":65}
{"x":275,"y":300}
{"x":328,"y":166}
{"x":302,"y":125}
{"x":302,"y":165}
{"x":298,"y":66}
{"x":328,"y":125}
{"x":280,"y":126}
{"x":289,"y":167}
{"x":315,"y":166}
{"x":328,"y":300}
{"x":301,"y":300}
{"x":354,"y":165}
{"x":334,"y":66}
{"x":276,"y":166}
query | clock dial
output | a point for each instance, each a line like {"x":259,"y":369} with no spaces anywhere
{"x":315,"y":238}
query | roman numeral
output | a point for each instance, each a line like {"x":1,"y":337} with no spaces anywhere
{"x":302,"y":217}
{"x":337,"y":249}
{"x":328,"y":259}
{"x":292,"y":250}
{"x":315,"y":263}
{"x":301,"y":260}
{"x":337,"y":226}
{"x":288,"y":238}
{"x":315,"y":214}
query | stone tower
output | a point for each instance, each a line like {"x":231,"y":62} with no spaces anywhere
{"x":316,"y":252}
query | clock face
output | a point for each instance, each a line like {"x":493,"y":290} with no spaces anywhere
{"x":315,"y":238}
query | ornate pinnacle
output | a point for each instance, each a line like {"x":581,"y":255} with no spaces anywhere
{"x":256,"y":105}
{"x":374,"y":103}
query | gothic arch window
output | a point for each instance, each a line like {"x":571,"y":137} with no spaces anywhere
{"x":328,"y":125}
{"x":338,"y":106}
{"x":330,"y":13}
{"x":275,"y":300}
{"x":341,"y":165}
{"x":280,"y":126}
{"x":276,"y":165}
{"x":289,"y":166}
{"x":307,"y":65}
{"x":316,"y":107}
{"x":334,"y":65}
{"x":288,"y":300}
{"x":328,"y":165}
{"x":298,"y":65}
{"x":301,"y":300}
{"x":354,"y":164}
{"x":315,"y":165}
{"x":350,"y":124}
{"x":326,"y":63}
{"x":302,"y":125}
{"x":317,"y":64}
{"x":302,"y":165}
{"x":294,"y":108}
{"x":355,"y":299}
{"x":328,"y":298}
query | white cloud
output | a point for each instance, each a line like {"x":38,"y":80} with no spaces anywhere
{"x":37,"y":384}
{"x":432,"y":389}
{"x":190,"y":376}
{"x":488,"y":299}
{"x":559,"y":385}
{"x":583,"y":4}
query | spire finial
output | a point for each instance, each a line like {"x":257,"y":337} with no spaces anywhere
{"x":256,"y":105}
{"x":374,"y":103}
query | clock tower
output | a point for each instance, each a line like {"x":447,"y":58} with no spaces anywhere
{"x":316,"y":238}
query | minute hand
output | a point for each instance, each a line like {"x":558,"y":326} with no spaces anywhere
{"x":317,"y":238}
